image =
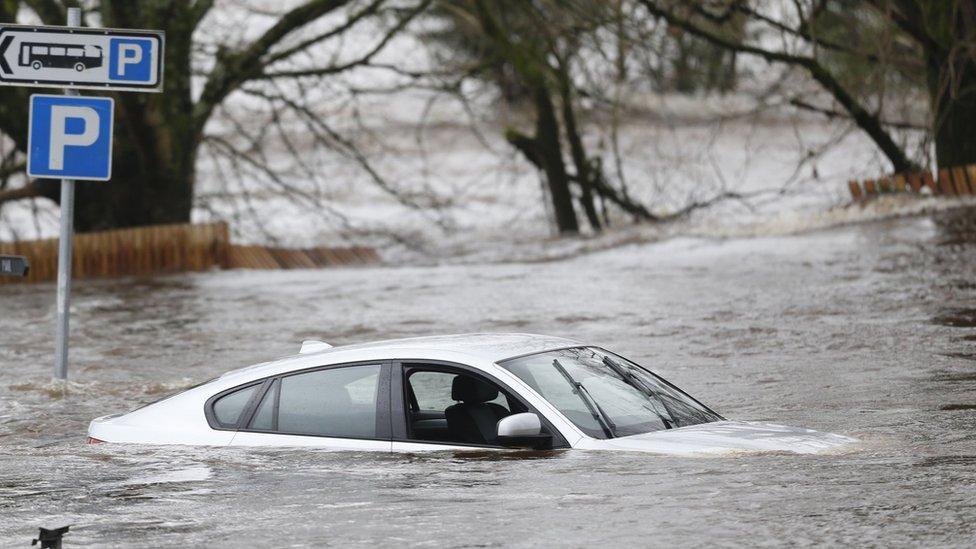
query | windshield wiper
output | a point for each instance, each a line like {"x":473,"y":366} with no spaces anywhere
{"x":601,"y":417}
{"x":637,"y":383}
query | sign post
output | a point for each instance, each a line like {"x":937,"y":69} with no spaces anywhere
{"x":65,"y":243}
{"x":70,"y":137}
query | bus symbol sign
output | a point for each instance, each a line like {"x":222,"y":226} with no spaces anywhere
{"x":62,"y":56}
{"x":70,"y":57}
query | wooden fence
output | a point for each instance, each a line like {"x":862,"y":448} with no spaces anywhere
{"x":957,"y":181}
{"x":264,"y":257}
{"x":170,"y":249}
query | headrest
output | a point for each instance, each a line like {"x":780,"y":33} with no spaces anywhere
{"x":472,"y":391}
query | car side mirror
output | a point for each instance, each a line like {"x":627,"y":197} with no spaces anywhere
{"x":523,"y":431}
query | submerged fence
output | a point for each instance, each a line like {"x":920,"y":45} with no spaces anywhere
{"x":958,"y":181}
{"x":170,"y":249}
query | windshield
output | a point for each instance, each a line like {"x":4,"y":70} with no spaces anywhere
{"x":605,"y":395}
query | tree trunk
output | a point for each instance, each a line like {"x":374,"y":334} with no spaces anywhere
{"x":138,"y":194}
{"x":550,"y":153}
{"x":683,"y":80}
{"x":155,"y":141}
{"x":584,"y":177}
{"x":954,"y":119}
{"x":951,"y":78}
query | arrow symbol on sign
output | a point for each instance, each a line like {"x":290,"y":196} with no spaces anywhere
{"x":3,"y":54}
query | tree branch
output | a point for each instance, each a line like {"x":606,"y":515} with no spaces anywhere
{"x":865,"y":120}
{"x":802,"y":32}
{"x":909,"y":19}
{"x":371,"y":9}
{"x":831,"y":113}
{"x":234,"y":68}
{"x":334,"y":69}
{"x":200,"y":9}
{"x":30,"y":190}
{"x":320,"y":131}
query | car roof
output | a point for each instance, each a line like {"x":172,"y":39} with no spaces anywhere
{"x":489,"y":346}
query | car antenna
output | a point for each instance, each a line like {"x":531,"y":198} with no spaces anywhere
{"x":313,"y":346}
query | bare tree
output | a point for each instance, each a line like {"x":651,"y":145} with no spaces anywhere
{"x":159,"y":136}
{"x":938,"y":35}
{"x":565,"y":61}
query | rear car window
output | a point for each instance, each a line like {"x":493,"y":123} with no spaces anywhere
{"x":228,"y":408}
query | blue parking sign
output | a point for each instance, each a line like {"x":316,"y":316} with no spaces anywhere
{"x":131,"y":59}
{"x":70,"y":137}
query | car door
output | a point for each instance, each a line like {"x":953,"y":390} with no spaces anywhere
{"x":343,"y":407}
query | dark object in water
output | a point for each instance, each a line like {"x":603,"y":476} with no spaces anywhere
{"x":14,"y":265}
{"x":954,"y":407}
{"x":51,"y":539}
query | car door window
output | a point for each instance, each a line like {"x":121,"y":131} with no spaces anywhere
{"x":455,"y":407}
{"x":338,"y":402}
{"x":432,"y":391}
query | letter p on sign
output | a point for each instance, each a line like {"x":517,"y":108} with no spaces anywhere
{"x":60,"y":138}
{"x":70,"y":137}
{"x":131,"y":59}
{"x":129,"y":54}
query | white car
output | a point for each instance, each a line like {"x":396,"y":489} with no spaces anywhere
{"x":449,"y":393}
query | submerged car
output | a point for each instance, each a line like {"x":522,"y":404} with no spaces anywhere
{"x":451,"y":392}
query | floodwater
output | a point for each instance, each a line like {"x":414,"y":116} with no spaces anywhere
{"x":868,"y":331}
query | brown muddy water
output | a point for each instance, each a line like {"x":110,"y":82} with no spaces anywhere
{"x":868,"y":331}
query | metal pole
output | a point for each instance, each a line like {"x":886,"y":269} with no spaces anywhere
{"x":64,"y":250}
